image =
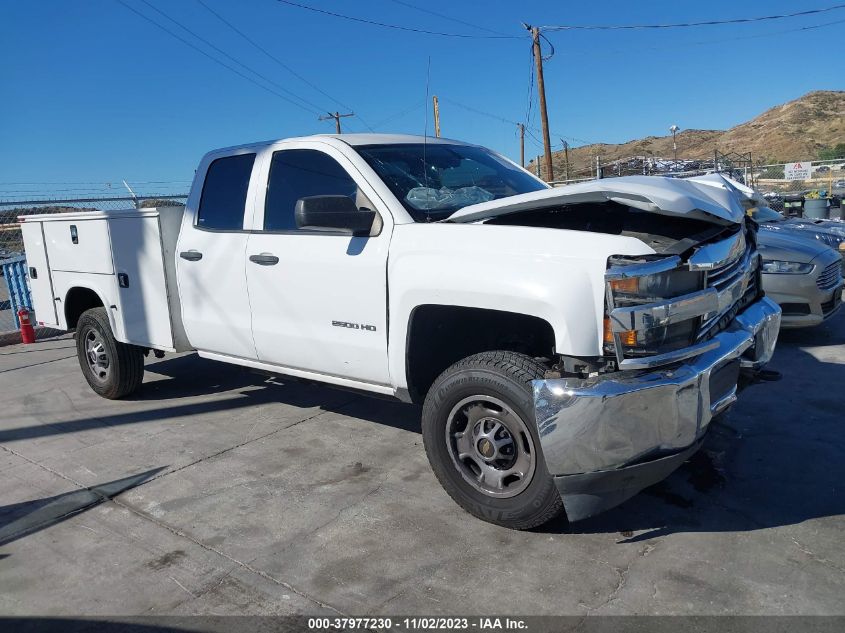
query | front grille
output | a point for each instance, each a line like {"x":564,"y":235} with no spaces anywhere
{"x":722,"y":278}
{"x":639,"y":300}
{"x":829,"y":277}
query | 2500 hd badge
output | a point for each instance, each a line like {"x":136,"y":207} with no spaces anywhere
{"x":354,"y":326}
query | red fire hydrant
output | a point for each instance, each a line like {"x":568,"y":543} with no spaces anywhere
{"x":27,"y":331}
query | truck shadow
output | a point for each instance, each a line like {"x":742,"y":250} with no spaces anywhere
{"x":186,"y":379}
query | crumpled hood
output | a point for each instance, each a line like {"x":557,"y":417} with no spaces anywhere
{"x":748,"y":196}
{"x":656,"y":194}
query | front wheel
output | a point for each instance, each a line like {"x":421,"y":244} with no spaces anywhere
{"x":481,"y":440}
{"x":113,"y":369}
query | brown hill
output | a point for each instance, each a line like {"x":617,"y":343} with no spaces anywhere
{"x":795,"y":130}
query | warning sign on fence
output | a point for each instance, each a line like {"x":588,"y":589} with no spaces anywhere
{"x":797,"y":171}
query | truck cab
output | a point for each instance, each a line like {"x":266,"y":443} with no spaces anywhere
{"x":258,"y":287}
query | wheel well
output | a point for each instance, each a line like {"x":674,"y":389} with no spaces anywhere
{"x":439,"y":336}
{"x":79,"y":300}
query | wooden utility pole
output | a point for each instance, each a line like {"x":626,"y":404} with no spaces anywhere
{"x":541,"y":90}
{"x":566,"y":157}
{"x":436,"y":116}
{"x":337,"y":116}
{"x":521,"y":145}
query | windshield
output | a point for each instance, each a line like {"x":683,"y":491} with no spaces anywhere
{"x":433,"y":181}
{"x":765,"y":214}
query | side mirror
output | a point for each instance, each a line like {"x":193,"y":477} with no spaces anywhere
{"x":338,"y":213}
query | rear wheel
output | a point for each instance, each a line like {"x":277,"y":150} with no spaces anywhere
{"x":482,"y":442}
{"x":113,"y":369}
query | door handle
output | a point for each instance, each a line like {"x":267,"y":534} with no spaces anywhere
{"x":264,"y":259}
{"x":191,"y":256}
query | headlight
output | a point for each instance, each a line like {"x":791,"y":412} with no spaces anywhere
{"x":780,"y":267}
{"x":656,"y":287}
{"x":647,"y":289}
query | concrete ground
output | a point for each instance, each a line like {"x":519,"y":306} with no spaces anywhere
{"x":216,"y":491}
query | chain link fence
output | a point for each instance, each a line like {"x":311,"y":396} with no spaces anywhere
{"x":785,"y":185}
{"x":13,"y":290}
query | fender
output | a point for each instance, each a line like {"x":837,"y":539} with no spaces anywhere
{"x":555,"y":275}
{"x":64,"y":287}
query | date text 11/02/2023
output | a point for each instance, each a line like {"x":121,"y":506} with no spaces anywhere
{"x":478,"y":623}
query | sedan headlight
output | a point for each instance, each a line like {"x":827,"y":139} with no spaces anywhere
{"x":780,"y":267}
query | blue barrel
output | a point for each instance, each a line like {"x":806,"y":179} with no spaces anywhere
{"x":14,"y":270}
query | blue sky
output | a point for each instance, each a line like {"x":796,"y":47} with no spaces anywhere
{"x":93,"y":93}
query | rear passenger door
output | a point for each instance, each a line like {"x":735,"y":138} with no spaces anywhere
{"x":210,"y":263}
{"x":319,"y":298}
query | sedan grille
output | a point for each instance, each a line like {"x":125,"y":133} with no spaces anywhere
{"x":829,"y":277}
{"x":829,"y":306}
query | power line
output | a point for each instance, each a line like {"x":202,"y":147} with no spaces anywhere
{"x":530,"y":87}
{"x":211,"y":57}
{"x":512,"y":122}
{"x":231,"y":58}
{"x":278,"y":61}
{"x":605,"y":52}
{"x":537,"y":141}
{"x":401,"y":113}
{"x":400,"y":27}
{"x":451,"y":19}
{"x":481,"y":112}
{"x":616,"y":27}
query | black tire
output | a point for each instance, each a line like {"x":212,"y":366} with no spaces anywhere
{"x":119,"y":368}
{"x":505,"y":377}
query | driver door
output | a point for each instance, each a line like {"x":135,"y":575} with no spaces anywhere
{"x":318,"y":298}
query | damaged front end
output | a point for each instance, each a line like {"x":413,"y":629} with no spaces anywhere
{"x":679,"y":329}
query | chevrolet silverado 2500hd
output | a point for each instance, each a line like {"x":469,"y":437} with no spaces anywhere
{"x":571,"y":346}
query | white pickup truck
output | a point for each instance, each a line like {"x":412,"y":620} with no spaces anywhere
{"x":570,"y":345}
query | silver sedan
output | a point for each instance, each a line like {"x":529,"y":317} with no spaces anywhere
{"x":802,"y":275}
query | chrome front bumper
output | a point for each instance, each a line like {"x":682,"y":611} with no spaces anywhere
{"x":606,"y":438}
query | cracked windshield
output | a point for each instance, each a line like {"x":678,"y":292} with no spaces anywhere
{"x":434,"y":180}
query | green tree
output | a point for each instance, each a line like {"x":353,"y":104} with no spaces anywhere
{"x":832,"y":153}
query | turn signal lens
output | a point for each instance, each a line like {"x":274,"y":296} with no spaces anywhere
{"x":628,"y":337}
{"x":631,"y":285}
{"x":608,"y":333}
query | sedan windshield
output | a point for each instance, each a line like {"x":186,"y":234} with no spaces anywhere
{"x":434,"y":180}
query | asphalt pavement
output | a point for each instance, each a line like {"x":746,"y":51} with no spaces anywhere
{"x":218,"y":491}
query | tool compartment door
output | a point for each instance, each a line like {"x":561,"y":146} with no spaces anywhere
{"x":141,"y":292}
{"x":38,"y":272}
{"x":79,"y":245}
